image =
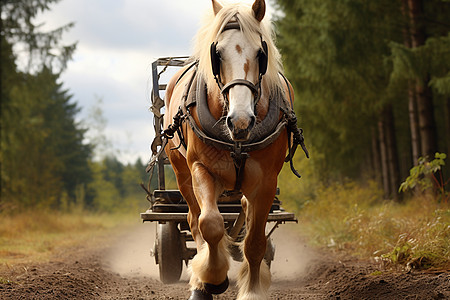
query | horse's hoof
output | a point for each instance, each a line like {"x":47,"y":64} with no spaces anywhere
{"x":217,"y":289}
{"x":200,"y":295}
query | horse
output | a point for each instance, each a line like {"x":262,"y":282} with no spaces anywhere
{"x":237,"y":69}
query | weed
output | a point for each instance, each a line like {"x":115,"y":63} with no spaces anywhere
{"x":428,"y":175}
{"x":376,"y":273}
{"x":401,"y":254}
{"x":353,"y":218}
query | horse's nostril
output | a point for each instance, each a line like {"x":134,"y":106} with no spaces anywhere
{"x":230,"y":123}
{"x":252,"y":122}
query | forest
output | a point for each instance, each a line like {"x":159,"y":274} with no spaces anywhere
{"x":372,"y":88}
{"x":46,"y":160}
{"x":372,"y":82}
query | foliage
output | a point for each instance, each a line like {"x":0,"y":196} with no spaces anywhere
{"x":39,"y":49}
{"x":97,"y":122}
{"x":48,"y":159}
{"x":423,"y":247}
{"x":351,"y":218}
{"x":431,"y":58}
{"x":424,"y":176}
{"x":347,"y":61}
{"x":42,"y":150}
{"x":44,"y":160}
{"x":295,"y":192}
{"x":334,"y":54}
{"x":330,"y":217}
{"x":115,"y":187}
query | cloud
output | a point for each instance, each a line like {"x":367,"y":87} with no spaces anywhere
{"x":117,"y":42}
{"x":120,"y":79}
{"x":128,"y":24}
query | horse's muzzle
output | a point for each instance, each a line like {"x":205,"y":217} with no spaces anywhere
{"x":240,"y":127}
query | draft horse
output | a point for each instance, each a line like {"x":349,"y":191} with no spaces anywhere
{"x":230,"y":119}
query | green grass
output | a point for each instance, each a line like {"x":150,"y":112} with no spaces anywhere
{"x":34,"y":236}
{"x":354,"y":219}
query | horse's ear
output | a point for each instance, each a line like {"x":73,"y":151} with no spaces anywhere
{"x":216,"y":7}
{"x":259,"y":8}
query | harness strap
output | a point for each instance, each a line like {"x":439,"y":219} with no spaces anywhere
{"x":229,"y":146}
{"x":239,"y":159}
{"x":255,"y":88}
{"x":239,"y":152}
{"x":234,"y":82}
{"x":216,"y":128}
{"x":195,"y":63}
{"x":296,"y":132}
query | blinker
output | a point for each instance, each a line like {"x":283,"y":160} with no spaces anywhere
{"x":215,"y":55}
{"x":262,"y":64}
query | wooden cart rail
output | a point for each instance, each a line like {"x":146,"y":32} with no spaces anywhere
{"x":276,"y":216}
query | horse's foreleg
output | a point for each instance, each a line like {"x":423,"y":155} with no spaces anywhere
{"x":184,"y":182}
{"x":210,"y":265}
{"x":254,"y":278}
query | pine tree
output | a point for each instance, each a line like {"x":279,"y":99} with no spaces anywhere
{"x":355,"y":75}
{"x":334,"y":57}
{"x":39,"y":49}
{"x":43,"y":156}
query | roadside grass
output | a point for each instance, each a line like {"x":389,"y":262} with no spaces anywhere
{"x":353,"y":218}
{"x":35,"y":235}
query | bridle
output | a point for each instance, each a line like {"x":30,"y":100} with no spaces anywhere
{"x":239,"y":151}
{"x":216,"y":62}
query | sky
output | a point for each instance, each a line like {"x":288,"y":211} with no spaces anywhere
{"x":117,"y":42}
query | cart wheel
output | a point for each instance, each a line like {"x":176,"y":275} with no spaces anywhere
{"x":168,"y":252}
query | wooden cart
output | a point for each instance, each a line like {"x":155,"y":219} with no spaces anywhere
{"x":169,"y":209}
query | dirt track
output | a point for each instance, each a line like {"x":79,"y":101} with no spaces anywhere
{"x":120,"y":267}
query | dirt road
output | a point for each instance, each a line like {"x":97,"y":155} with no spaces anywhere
{"x":120,"y":267}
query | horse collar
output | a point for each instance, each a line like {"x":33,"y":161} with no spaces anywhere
{"x":213,"y":131}
{"x":217,"y":128}
{"x":263,"y":134}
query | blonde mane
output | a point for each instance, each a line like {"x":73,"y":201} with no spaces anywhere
{"x":252,"y":30}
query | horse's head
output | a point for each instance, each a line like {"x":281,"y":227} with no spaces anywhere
{"x":239,"y":60}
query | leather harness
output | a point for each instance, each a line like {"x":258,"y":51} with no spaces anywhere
{"x":213,"y":131}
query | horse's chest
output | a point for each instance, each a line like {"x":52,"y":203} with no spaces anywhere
{"x":217,"y":161}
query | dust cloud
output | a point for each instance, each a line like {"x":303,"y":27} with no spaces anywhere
{"x":292,"y":256}
{"x":129,"y":255}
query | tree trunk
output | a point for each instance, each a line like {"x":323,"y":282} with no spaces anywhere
{"x":427,"y":123}
{"x":414,"y":124}
{"x":384,"y":159}
{"x":392,"y":153}
{"x":412,"y":102}
{"x":389,"y":154}
{"x":376,"y":158}
{"x":447,"y":124}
